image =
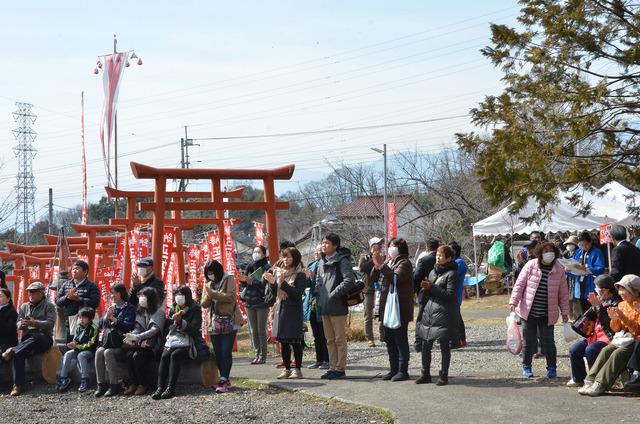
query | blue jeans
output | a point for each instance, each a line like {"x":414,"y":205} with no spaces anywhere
{"x":84,"y":359}
{"x":577,"y":352}
{"x":223,"y":347}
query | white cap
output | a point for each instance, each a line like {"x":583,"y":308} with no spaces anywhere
{"x":374,"y":240}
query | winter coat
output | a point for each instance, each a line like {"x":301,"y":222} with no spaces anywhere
{"x":462,"y":274}
{"x":44,"y":314}
{"x":441,"y":310}
{"x":149,"y":328}
{"x":8,"y":326}
{"x":400,"y":270}
{"x":125,"y":315}
{"x":365,"y":265}
{"x":191,"y":324}
{"x":310,"y":299}
{"x":630,"y":320}
{"x":88,"y":292}
{"x":334,"y":280}
{"x":290,"y":316}
{"x":221,"y":301}
{"x":625,"y":259}
{"x":86,"y":338}
{"x":150,"y":281}
{"x":252,"y":293}
{"x":424,"y":266}
{"x":524,"y":291}
{"x":595,"y":263}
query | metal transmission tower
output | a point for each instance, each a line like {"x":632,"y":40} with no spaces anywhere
{"x":25,"y":152}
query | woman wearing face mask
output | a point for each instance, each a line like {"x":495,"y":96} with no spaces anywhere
{"x":252,"y":292}
{"x":538,"y":295}
{"x":183,"y":342}
{"x":8,"y":321}
{"x":570,"y":246}
{"x":591,"y":259}
{"x":601,"y":333}
{"x":116,"y":321}
{"x":223,"y":318}
{"x":288,"y":285}
{"x":398,"y":273}
{"x":439,"y":320}
{"x":144,"y":342}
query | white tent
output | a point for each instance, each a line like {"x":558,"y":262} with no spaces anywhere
{"x":610,"y":204}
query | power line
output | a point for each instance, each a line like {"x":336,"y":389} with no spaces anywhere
{"x":334,"y":130}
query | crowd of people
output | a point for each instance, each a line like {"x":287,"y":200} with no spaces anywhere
{"x":134,"y":333}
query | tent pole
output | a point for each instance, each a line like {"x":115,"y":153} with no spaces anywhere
{"x":475,"y":259}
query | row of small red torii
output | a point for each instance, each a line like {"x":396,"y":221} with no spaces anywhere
{"x":112,"y":256}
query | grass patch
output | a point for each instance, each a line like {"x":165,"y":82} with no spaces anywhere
{"x":385,"y":416}
{"x":249,"y":384}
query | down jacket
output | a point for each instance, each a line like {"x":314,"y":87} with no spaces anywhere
{"x":441,"y":310}
{"x":524,"y":291}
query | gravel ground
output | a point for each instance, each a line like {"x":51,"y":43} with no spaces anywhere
{"x":194,"y":404}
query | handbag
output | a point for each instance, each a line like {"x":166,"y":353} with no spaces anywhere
{"x":222,"y":324}
{"x":112,"y":338}
{"x":514,"y":337}
{"x":391,"y":318}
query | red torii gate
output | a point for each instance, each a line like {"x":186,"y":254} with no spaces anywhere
{"x":22,"y":262}
{"x":182,"y":224}
{"x":159,"y":206}
{"x":92,"y":231}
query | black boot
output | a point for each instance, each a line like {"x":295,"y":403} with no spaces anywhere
{"x":388,"y":376}
{"x":169,"y":393}
{"x":425,"y":378}
{"x":443,"y":379}
{"x":157,"y":395}
{"x":114,"y":389}
{"x":101,"y":390}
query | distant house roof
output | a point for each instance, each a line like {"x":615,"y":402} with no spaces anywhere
{"x":373,"y":206}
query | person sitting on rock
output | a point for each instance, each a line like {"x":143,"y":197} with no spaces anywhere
{"x":36,"y":319}
{"x":82,"y":348}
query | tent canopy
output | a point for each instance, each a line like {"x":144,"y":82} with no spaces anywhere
{"x":608,"y":205}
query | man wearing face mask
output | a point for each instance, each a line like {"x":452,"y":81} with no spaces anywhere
{"x":591,"y":259}
{"x":145,"y":278}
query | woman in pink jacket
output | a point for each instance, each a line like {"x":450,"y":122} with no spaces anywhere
{"x":539,"y":294}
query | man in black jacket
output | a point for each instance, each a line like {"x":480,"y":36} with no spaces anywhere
{"x":625,"y":257}
{"x":145,"y":278}
{"x":79,"y":292}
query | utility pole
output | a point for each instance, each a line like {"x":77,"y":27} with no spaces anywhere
{"x":184,"y":157}
{"x":115,"y":132}
{"x":50,"y":211}
{"x":384,"y":193}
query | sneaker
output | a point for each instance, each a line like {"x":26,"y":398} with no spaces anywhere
{"x":63,"y":384}
{"x":585,"y":387}
{"x":314,"y":365}
{"x":573,"y":383}
{"x":223,"y":386}
{"x":327,"y":375}
{"x":324,"y":366}
{"x":284,"y":375}
{"x":84,"y":385}
{"x":596,"y":389}
{"x":296,"y":373}
{"x":7,"y":355}
{"x":551,"y":372}
{"x":526,"y":371}
{"x":336,"y":375}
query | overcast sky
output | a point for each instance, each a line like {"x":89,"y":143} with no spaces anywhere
{"x":240,"y":68}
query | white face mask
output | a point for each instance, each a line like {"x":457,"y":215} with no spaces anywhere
{"x":142,"y":272}
{"x":571,"y":247}
{"x":211,"y":277}
{"x":598,"y":291}
{"x":548,"y":257}
{"x":142,"y":301}
{"x":257,"y":256}
{"x":393,"y":251}
{"x":180,"y":299}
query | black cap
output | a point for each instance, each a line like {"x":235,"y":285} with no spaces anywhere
{"x":531,"y":244}
{"x":147,"y":262}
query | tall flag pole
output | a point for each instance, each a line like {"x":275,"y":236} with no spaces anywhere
{"x":84,"y":165}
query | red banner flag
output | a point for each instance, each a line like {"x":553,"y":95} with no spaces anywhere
{"x":171,"y":274}
{"x":392,"y":225}
{"x":193,"y":254}
{"x":167,"y":249}
{"x":118,"y":261}
{"x":104,"y":277}
{"x":259,"y":233}
{"x":216,"y":247}
{"x":21,"y":289}
{"x":132,"y":242}
{"x":144,"y":240}
{"x":605,"y":234}
{"x":230,"y":262}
